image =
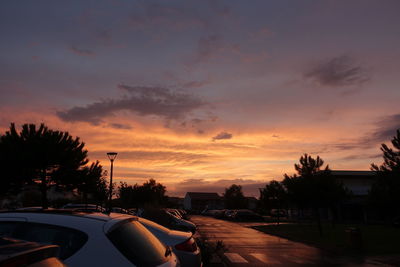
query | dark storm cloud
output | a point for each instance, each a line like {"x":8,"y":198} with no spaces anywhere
{"x":120,"y":126}
{"x":385,"y":130}
{"x":222,"y":135}
{"x":141,"y":100}
{"x":338,"y":71}
{"x":367,"y":156}
{"x":80,"y":51}
{"x":172,"y":157}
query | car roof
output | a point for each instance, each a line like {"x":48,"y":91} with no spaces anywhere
{"x":110,"y":219}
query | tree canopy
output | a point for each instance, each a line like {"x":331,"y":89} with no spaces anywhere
{"x":385,"y":191}
{"x":313,"y":186}
{"x":273,"y":195}
{"x":150,"y":193}
{"x":234,"y":198}
{"x":39,"y":155}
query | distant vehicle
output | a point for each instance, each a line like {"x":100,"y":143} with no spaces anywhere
{"x":119,"y":210}
{"x":278,"y":212}
{"x":219,"y":214}
{"x":214,"y":213}
{"x":228,"y":214}
{"x":167,"y":219}
{"x":15,"y":252}
{"x":132,"y":211}
{"x":181,"y":224}
{"x":183,"y":244}
{"x":396,"y":221}
{"x":90,"y":239}
{"x":183,"y":212}
{"x":246,"y":215}
{"x":207,"y":212}
{"x":174,"y":212}
{"x":84,"y":207}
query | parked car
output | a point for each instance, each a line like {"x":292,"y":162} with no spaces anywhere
{"x":247,"y":215}
{"x":90,"y":239}
{"x":207,"y":212}
{"x":37,"y":208}
{"x":167,"y":219}
{"x":175,"y":212}
{"x":84,"y":207}
{"x":219,"y":214}
{"x":278,"y":213}
{"x":184,"y":213}
{"x":183,"y":244}
{"x":15,"y":252}
{"x":229,"y":214}
{"x":396,"y":221}
{"x":119,"y":210}
{"x":181,"y":224}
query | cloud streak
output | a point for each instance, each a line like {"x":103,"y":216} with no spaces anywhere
{"x":222,"y":136}
{"x":336,"y":72}
{"x":80,"y":51}
{"x":385,"y":130}
{"x":141,"y":100}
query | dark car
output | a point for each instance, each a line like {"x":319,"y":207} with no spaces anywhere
{"x":84,"y":207}
{"x":247,"y":215}
{"x":14,"y":252}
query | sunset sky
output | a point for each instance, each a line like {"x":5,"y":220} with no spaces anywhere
{"x":203,"y":94}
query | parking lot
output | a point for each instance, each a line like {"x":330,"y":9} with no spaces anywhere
{"x":248,"y":247}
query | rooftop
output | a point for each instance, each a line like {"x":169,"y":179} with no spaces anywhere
{"x":203,"y":195}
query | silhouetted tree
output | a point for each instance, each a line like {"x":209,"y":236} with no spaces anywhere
{"x":150,"y":193}
{"x":94,"y":185}
{"x":42,"y":156}
{"x":385,"y":191}
{"x":126,"y":195}
{"x":234,"y":198}
{"x":313,"y":186}
{"x":273,"y":195}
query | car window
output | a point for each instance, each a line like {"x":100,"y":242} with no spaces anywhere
{"x":69,"y":240}
{"x":7,"y":228}
{"x":138,"y":245}
{"x":154,"y":225}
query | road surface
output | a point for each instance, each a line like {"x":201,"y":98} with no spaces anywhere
{"x":249,"y":247}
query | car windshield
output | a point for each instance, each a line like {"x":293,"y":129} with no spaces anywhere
{"x":138,"y":245}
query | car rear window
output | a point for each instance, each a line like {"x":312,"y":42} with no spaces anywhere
{"x":154,"y":225}
{"x":69,"y":240}
{"x":138,"y":245}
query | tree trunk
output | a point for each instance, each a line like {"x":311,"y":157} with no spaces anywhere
{"x":319,"y":222}
{"x":43,"y":189}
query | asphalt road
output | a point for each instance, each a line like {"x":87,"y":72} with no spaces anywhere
{"x":249,"y":247}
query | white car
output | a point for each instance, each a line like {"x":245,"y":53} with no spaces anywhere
{"x":183,"y":244}
{"x":90,"y":239}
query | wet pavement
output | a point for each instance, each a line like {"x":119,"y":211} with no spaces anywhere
{"x":249,"y":247}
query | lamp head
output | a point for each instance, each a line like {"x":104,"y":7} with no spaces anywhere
{"x":112,"y":155}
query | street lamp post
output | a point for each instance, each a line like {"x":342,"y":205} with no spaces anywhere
{"x":111,"y":156}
